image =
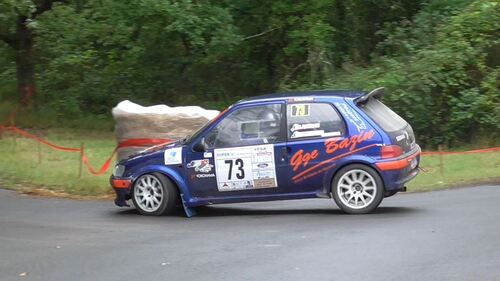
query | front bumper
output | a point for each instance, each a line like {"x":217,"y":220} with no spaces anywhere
{"x":122,"y":189}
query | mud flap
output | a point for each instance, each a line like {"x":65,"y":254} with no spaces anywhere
{"x":187,"y":210}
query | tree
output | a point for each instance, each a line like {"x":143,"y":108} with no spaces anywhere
{"x":16,"y":30}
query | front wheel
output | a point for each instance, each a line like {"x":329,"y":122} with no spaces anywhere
{"x":154,"y":194}
{"x":357,"y":189}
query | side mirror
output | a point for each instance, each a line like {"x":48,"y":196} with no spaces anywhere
{"x":199,"y":146}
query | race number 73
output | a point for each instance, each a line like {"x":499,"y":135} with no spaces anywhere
{"x":238,"y":163}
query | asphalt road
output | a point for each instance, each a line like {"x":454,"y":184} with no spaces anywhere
{"x":443,"y":235}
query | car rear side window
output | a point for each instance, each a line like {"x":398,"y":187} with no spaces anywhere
{"x":313,"y":120}
{"x":387,"y":119}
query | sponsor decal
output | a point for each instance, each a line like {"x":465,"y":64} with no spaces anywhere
{"x":407,"y":138}
{"x":413,"y":163}
{"x":313,"y":173}
{"x":207,"y":155}
{"x":202,"y":176}
{"x":315,"y":133}
{"x":332,"y":145}
{"x":300,"y":110}
{"x":262,"y":165}
{"x":301,"y":159}
{"x":311,"y":126}
{"x":332,"y":134}
{"x":301,"y":99}
{"x":173,"y":156}
{"x":311,"y":130}
{"x":201,"y":166}
{"x":352,"y":116}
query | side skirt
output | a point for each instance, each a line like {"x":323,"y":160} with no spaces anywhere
{"x":255,"y":198}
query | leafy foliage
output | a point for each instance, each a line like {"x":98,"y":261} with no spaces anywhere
{"x":439,"y":59}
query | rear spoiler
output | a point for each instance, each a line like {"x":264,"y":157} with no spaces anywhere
{"x":377,"y":93}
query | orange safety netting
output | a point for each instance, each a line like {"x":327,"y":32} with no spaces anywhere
{"x":104,"y":168}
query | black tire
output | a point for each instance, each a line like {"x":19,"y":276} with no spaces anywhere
{"x":345,"y":195}
{"x":169,"y":194}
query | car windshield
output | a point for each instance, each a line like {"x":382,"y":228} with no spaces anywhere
{"x":190,"y":138}
{"x":387,"y":119}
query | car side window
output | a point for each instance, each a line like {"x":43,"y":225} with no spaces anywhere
{"x":313,"y":120}
{"x":247,"y":126}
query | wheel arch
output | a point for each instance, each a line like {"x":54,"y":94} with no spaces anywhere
{"x":329,"y":176}
{"x":170,"y":173}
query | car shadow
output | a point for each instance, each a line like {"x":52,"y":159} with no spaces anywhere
{"x":214,"y":211}
{"x":220,"y":211}
{"x":178,"y":212}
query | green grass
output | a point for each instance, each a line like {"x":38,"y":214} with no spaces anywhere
{"x":58,"y":171}
{"x":459,"y":169}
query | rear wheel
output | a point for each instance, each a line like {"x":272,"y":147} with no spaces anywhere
{"x":154,"y":194}
{"x":357,"y":189}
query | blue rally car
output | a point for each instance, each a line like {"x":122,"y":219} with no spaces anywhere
{"x":345,"y":145}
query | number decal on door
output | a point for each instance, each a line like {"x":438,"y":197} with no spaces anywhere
{"x":240,"y":174}
{"x":244,"y":168}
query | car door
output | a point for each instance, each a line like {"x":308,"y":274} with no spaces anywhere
{"x":244,"y":154}
{"x":310,"y":127}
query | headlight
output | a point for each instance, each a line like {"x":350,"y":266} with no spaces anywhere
{"x":119,"y":170}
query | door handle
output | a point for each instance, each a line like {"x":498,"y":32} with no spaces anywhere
{"x":284,"y":153}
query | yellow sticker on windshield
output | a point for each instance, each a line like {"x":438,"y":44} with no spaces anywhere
{"x":300,"y":110}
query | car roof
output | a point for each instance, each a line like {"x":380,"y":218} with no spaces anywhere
{"x":350,"y":94}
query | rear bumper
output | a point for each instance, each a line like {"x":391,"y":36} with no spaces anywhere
{"x":401,"y":163}
{"x":397,"y":172}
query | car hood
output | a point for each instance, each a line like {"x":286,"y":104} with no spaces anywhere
{"x":153,"y":150}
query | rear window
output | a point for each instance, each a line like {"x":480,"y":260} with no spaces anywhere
{"x":387,"y":119}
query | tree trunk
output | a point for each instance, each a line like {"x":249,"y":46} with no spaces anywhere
{"x":25,"y":60}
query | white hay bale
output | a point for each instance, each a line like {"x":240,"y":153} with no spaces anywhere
{"x":134,"y":121}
